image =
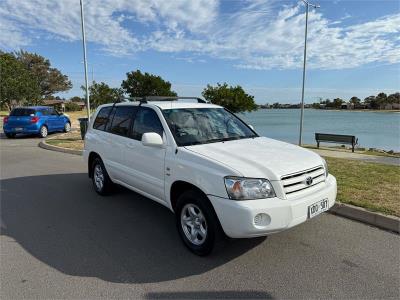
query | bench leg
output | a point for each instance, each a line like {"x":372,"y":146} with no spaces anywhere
{"x":317,"y":144}
{"x":352,"y":148}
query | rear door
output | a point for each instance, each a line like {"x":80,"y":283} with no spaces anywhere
{"x":115,"y":139}
{"x":144,"y":164}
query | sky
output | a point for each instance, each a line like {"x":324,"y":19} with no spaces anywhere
{"x":353,"y":46}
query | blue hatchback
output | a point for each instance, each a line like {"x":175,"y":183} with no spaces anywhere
{"x":35,"y":120}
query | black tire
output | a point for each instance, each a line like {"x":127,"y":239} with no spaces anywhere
{"x":67,"y":127}
{"x":10,"y":135}
{"x":101,"y":184}
{"x":196,"y":199}
{"x":43,"y":131}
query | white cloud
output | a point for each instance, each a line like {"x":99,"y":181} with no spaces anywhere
{"x":11,"y":37}
{"x":257,"y":34}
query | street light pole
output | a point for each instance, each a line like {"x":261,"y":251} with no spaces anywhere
{"x":84,"y":60}
{"x":304,"y":70}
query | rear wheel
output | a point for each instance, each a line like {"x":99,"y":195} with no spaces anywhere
{"x":197,"y":222}
{"x":43,"y":132}
{"x":101,"y":181}
{"x":10,"y":135}
{"x":67,"y":127}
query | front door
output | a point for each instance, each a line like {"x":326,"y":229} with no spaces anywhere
{"x":55,"y":121}
{"x":145,"y":164}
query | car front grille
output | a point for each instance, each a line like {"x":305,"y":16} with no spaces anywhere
{"x":303,"y":180}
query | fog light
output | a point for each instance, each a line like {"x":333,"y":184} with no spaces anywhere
{"x":262,"y":219}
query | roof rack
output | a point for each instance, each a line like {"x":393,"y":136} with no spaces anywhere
{"x":146,"y":99}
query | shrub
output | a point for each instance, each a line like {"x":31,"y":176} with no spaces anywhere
{"x":72,"y":106}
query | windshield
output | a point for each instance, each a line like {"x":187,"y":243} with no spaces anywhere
{"x":193,"y":126}
{"x":22,"y":112}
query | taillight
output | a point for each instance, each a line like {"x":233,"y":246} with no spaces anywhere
{"x":34,"y":119}
{"x":5,"y":120}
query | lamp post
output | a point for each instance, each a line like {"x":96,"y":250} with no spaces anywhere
{"x":308,"y":4}
{"x":84,"y":60}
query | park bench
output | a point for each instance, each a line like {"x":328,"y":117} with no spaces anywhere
{"x":336,"y":138}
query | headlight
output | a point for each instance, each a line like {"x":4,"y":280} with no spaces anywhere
{"x":240,"y":188}
{"x":325,"y":167}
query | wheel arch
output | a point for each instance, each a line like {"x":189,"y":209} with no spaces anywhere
{"x":179,"y":187}
{"x":92,"y":156}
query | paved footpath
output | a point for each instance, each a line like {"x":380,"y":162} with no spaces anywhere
{"x":357,"y":156}
{"x":59,"y":239}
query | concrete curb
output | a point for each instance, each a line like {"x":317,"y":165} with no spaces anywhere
{"x":46,"y":146}
{"x":382,"y":221}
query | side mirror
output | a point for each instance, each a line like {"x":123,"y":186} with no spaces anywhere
{"x":152,"y":139}
{"x":251,"y":126}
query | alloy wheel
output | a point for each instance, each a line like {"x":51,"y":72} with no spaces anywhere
{"x":98,"y":177}
{"x":43,"y":131}
{"x":194,"y":224}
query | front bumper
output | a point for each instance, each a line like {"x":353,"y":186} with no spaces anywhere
{"x":237,"y":217}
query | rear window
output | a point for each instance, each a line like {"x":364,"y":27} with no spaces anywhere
{"x":22,"y":112}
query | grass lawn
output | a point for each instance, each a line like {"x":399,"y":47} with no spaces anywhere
{"x":375,"y":187}
{"x":72,"y":140}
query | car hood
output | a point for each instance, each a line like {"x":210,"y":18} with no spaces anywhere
{"x":260,"y":157}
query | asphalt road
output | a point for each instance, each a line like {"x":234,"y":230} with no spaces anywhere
{"x":61,"y":240}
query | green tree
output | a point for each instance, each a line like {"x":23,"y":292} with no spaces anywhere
{"x":337,"y":102}
{"x":72,"y":106}
{"x":17,"y":83}
{"x":276,"y":105}
{"x":371,"y":102}
{"x":101,"y":93}
{"x":233,"y":98}
{"x":355,"y":100}
{"x":50,"y":80}
{"x":138,"y":84}
{"x":381,"y":99}
{"x":76,"y":99}
{"x":393,"y":98}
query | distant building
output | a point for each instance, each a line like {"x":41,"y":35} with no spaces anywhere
{"x":347,"y":106}
{"x":81,"y":104}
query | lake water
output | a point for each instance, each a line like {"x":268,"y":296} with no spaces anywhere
{"x":373,"y":129}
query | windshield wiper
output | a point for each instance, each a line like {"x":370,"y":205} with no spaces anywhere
{"x":217,"y":140}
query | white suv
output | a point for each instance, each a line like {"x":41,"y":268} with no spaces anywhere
{"x":208,"y":167}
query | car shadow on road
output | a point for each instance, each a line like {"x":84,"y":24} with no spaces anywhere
{"x":210,"y":295}
{"x":125,"y":237}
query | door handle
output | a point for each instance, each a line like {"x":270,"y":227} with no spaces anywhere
{"x":130,"y":145}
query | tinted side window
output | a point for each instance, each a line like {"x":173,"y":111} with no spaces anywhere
{"x":45,"y":112}
{"x":53,"y":112}
{"x":146,"y":120}
{"x":102,"y":118}
{"x":121,"y":122}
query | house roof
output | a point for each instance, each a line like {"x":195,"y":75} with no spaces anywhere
{"x":52,"y":101}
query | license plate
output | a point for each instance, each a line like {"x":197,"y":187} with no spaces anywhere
{"x":19,"y":129}
{"x":317,"y":208}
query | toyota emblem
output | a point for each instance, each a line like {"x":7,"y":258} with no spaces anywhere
{"x":309,"y":180}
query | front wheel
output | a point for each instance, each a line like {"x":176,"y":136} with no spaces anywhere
{"x":43,"y":132}
{"x":197,"y":222}
{"x":67,"y":127}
